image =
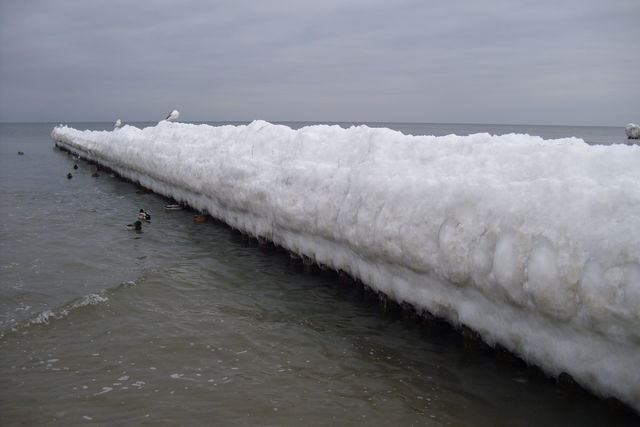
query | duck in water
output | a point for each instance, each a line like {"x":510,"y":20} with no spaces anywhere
{"x":142,"y":214}
{"x":136,"y":226}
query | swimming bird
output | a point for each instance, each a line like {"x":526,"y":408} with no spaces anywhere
{"x":20,"y":153}
{"x":75,"y":166}
{"x":137,"y":226}
{"x":142,"y":214}
{"x":173,"y":115}
{"x":117,"y":124}
{"x":69,"y":176}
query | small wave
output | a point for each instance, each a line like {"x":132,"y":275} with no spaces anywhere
{"x":47,"y":316}
{"x":43,"y":318}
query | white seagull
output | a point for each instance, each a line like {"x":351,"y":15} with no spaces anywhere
{"x":173,"y":115}
{"x":117,"y":124}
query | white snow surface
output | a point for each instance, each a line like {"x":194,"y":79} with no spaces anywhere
{"x":533,"y":243}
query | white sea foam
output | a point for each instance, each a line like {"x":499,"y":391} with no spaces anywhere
{"x":103,"y":391}
{"x":43,"y":318}
{"x":46,"y":316}
{"x":533,"y":243}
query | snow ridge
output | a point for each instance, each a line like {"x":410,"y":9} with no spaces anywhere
{"x":534,"y":244}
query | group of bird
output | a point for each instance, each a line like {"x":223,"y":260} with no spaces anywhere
{"x":69,"y":175}
{"x":142,"y":216}
{"x":75,"y":166}
{"x":173,"y":116}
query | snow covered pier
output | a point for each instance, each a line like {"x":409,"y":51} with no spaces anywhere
{"x":533,"y":244}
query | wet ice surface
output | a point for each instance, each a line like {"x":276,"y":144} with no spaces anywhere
{"x":533,"y":243}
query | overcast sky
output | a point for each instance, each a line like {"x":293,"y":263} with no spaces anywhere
{"x":492,"y":61}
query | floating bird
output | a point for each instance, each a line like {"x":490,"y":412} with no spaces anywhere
{"x":173,"y":115}
{"x":117,"y":124}
{"x":137,"y":226}
{"x":69,"y":176}
{"x":199,"y":218}
{"x":142,"y":214}
{"x":75,"y":166}
{"x":95,"y":174}
{"x":20,"y":153}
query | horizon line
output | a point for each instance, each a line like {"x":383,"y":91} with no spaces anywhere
{"x":319,"y":122}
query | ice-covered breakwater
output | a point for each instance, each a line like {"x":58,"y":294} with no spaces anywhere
{"x":534,"y":244}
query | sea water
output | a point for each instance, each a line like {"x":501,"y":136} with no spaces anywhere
{"x":186,"y":323}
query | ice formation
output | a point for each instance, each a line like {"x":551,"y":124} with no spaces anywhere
{"x":534,"y":244}
{"x":632,"y":130}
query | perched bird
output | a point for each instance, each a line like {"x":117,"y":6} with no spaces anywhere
{"x":173,"y":115}
{"x":142,"y":214}
{"x":632,"y":130}
{"x":137,"y":226}
{"x":117,"y":124}
{"x":69,"y":176}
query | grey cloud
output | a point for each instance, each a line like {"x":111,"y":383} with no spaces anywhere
{"x":570,"y":62}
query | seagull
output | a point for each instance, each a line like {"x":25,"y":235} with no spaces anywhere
{"x":117,"y":124}
{"x":173,"y":115}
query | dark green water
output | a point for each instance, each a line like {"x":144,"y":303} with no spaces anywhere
{"x":187,"y":324}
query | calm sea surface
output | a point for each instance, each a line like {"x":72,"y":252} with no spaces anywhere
{"x":188,"y":324}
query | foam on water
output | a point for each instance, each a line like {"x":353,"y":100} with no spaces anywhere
{"x":532,"y":243}
{"x":46,"y":316}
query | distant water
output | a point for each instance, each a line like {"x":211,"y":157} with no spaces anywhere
{"x":187,"y":324}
